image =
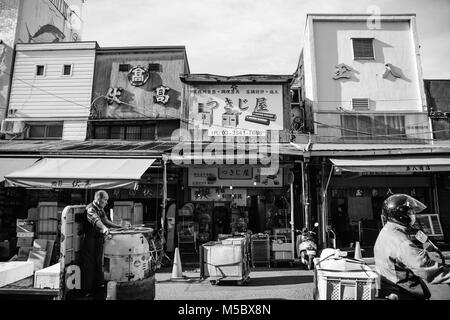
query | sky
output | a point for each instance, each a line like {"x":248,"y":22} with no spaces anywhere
{"x":232,"y":37}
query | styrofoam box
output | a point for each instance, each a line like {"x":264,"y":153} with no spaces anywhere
{"x":14,"y":271}
{"x":48,"y":278}
{"x":281,"y":246}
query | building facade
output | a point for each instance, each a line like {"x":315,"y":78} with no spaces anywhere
{"x":364,"y":87}
{"x":51,"y":91}
{"x":30,"y":21}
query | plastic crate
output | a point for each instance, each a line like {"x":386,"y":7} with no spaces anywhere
{"x":359,"y":282}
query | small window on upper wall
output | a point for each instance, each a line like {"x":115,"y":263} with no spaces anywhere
{"x":40,"y":70}
{"x":363,"y":49}
{"x":124,"y":67}
{"x":67,"y":70}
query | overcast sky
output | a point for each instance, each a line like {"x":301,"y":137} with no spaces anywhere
{"x":231,"y":37}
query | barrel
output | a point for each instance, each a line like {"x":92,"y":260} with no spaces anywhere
{"x":126,"y":255}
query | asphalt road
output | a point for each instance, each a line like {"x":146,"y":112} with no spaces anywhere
{"x":264,"y":283}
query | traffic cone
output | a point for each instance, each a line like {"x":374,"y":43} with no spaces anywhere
{"x":177,"y":272}
{"x":358,"y":254}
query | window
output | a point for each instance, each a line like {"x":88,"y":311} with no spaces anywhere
{"x":156,"y":67}
{"x":363,"y":49}
{"x":161,"y":130}
{"x":67,"y":70}
{"x":370,"y":127}
{"x":124,"y":67}
{"x":40,"y":70}
{"x":45,"y":130}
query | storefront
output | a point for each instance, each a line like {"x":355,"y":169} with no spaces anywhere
{"x":359,"y":185}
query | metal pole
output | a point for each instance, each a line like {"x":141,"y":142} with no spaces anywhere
{"x":163,"y":206}
{"x":292,"y":219}
{"x":305,"y":195}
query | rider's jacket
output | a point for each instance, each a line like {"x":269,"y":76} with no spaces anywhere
{"x":403,"y":265}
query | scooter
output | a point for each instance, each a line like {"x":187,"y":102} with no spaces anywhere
{"x":306,"y":246}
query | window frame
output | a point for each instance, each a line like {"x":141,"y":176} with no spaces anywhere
{"x":46,"y":125}
{"x":363,"y":58}
{"x":36,"y":66}
{"x":71,"y":70}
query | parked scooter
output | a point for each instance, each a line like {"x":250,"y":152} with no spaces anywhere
{"x":307,"y":246}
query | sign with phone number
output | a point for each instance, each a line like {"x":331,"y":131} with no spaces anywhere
{"x":224,"y":132}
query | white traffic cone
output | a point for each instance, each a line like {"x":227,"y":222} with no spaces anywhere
{"x":177,"y":272}
{"x":358,"y":254}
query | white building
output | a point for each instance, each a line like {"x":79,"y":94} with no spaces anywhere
{"x":51,"y":91}
{"x":362,"y":78}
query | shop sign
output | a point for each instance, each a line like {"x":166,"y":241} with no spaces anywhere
{"x":237,"y":196}
{"x":418,"y":168}
{"x":161,"y":95}
{"x":235,"y":173}
{"x":113,"y":95}
{"x":236,"y":110}
{"x":75,"y":184}
{"x":138,"y":76}
{"x":212,"y":177}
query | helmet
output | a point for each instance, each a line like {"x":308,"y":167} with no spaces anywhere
{"x":399,"y":208}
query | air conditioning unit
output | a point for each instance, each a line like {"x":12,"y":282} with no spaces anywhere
{"x":12,"y":126}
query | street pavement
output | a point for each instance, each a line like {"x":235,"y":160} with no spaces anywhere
{"x":264,"y":283}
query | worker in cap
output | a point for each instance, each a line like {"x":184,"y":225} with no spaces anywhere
{"x":402,"y":262}
{"x":96,"y":226}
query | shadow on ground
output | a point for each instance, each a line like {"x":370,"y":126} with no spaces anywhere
{"x":272,"y":281}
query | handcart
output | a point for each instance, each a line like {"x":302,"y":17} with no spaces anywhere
{"x":260,"y":249}
{"x":225,"y":260}
{"x":281,"y":251}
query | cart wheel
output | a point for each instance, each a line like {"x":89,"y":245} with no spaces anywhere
{"x":213,"y":282}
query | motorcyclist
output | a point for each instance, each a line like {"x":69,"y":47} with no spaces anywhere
{"x":402,"y":263}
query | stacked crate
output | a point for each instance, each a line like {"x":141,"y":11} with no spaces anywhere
{"x":25,"y":230}
{"x":49,"y":220}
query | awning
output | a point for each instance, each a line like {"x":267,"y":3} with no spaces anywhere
{"x":8,"y":165}
{"x":393,"y":164}
{"x":80,"y":173}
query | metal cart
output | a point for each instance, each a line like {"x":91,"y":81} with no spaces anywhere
{"x":225,"y":260}
{"x":260,"y":249}
{"x":281,"y":251}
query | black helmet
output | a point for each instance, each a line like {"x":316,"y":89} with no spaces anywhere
{"x":398,"y":208}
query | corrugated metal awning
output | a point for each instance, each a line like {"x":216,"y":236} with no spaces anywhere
{"x":78,"y":173}
{"x":393,"y":164}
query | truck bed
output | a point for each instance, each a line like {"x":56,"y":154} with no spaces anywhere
{"x":25,"y":287}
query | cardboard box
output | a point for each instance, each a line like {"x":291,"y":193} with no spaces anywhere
{"x":24,"y":225}
{"x":48,"y":278}
{"x":206,"y":118}
{"x":225,"y":120}
{"x":14,"y":271}
{"x":25,"y":234}
{"x":25,"y":242}
{"x":234,"y":120}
